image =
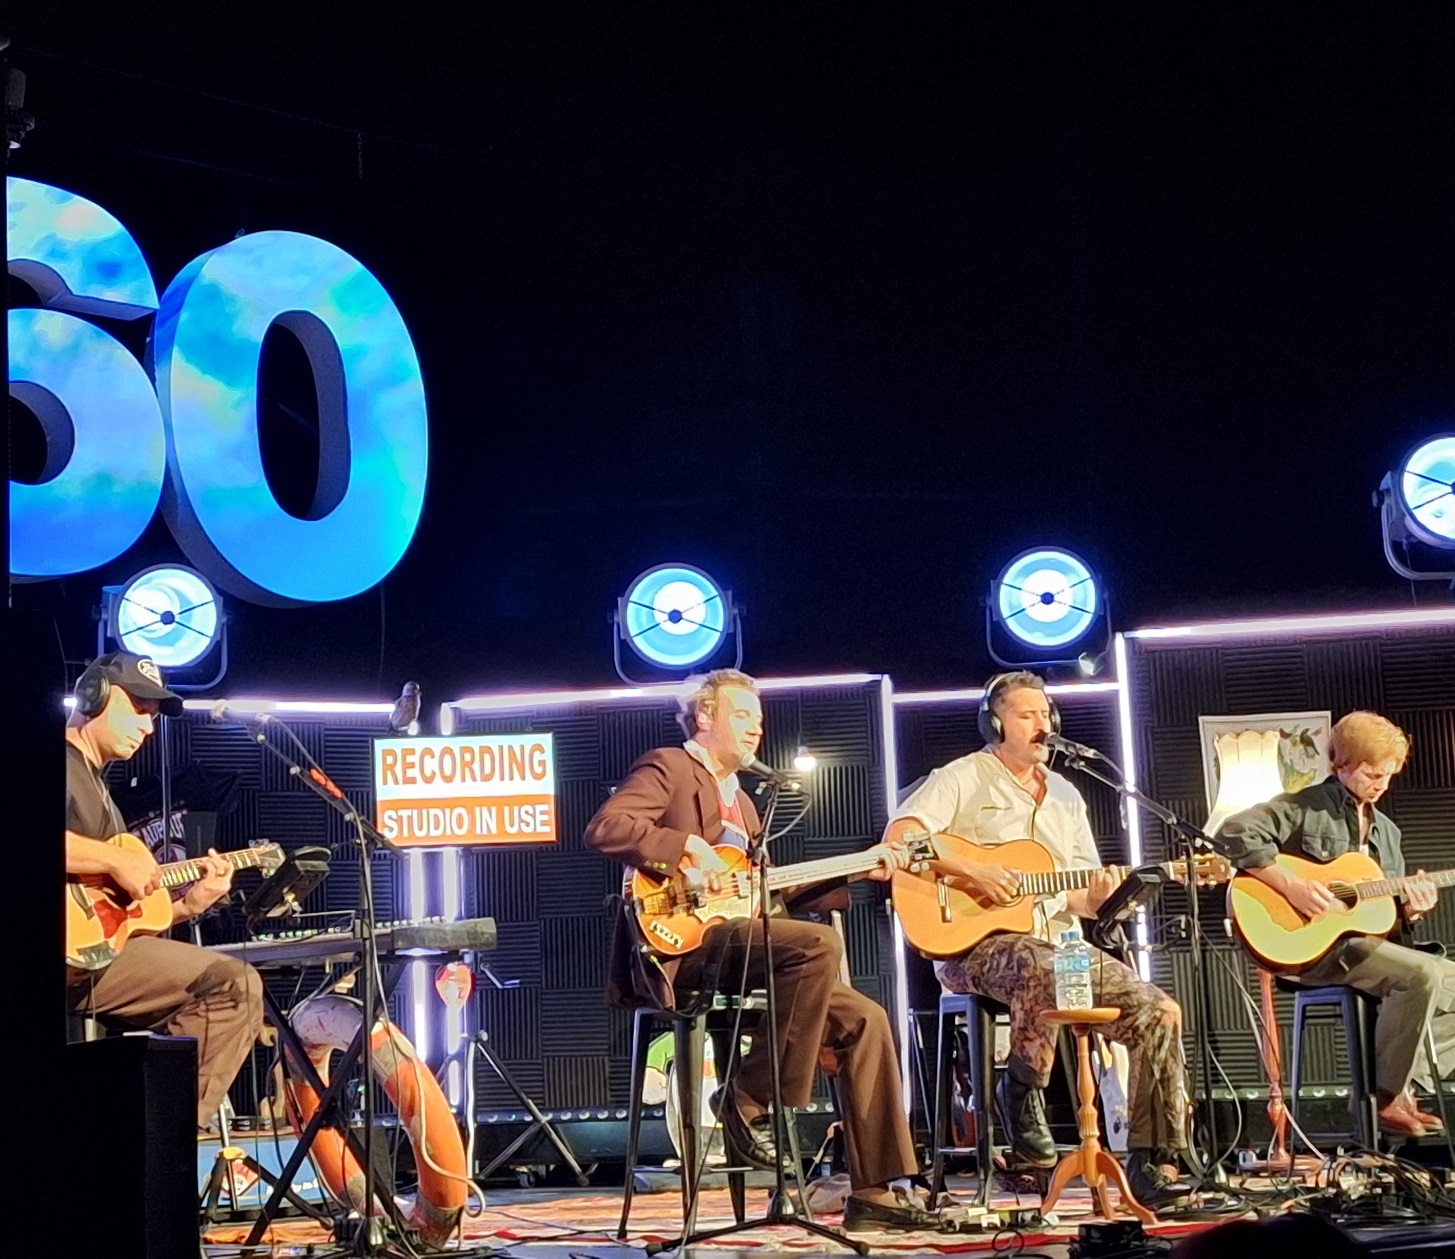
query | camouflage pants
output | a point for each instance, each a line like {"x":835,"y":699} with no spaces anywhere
{"x":1017,"y":971}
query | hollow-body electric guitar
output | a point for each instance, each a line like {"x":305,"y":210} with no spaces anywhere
{"x":1282,"y":939}
{"x":673,"y":915}
{"x":941,"y":919}
{"x":100,"y":917}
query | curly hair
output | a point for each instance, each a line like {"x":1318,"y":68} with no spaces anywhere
{"x":1364,"y":738}
{"x":703,"y":700}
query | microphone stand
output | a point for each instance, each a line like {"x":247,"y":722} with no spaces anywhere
{"x":1210,"y":1175}
{"x":778,"y":1213}
{"x":318,"y":782}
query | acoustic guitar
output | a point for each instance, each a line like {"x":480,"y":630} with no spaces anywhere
{"x":1282,"y":939}
{"x":100,"y":917}
{"x":673,"y":915}
{"x":941,"y":919}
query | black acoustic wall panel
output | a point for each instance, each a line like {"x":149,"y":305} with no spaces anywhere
{"x":1406,"y":674}
{"x":555,"y":1031}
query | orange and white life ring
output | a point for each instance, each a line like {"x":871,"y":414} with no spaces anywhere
{"x":328,"y":1023}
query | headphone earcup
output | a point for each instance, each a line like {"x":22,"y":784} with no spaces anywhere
{"x":93,"y":689}
{"x":985,"y":720}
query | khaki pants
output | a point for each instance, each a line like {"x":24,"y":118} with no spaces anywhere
{"x":1413,"y":988}
{"x":168,"y":986}
{"x":815,"y":1009}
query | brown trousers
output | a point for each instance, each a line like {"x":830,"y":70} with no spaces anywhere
{"x":815,"y":1009}
{"x":168,"y":986}
{"x":1018,"y":971}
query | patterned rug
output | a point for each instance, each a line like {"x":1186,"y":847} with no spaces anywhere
{"x":581,"y":1217}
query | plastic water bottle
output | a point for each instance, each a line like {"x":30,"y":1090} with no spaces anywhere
{"x":1073,"y":972}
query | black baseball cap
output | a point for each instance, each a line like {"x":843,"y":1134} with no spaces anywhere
{"x":138,"y":676}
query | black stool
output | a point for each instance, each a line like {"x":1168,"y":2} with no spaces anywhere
{"x":1357,"y":1012}
{"x":690,"y":1029}
{"x":976,"y":1015}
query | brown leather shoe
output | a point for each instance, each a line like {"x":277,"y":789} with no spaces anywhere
{"x":1430,"y":1122}
{"x":1398,"y":1117}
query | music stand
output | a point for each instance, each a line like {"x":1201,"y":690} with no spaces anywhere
{"x":1140,"y":888}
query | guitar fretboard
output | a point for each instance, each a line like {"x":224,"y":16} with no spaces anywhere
{"x":1394,"y":887}
{"x":176,"y":873}
{"x":1053,"y":882}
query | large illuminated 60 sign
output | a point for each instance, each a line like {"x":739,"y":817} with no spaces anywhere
{"x":118,"y":441}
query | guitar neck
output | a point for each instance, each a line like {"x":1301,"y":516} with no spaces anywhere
{"x":806,"y":872}
{"x":176,"y":873}
{"x":1395,"y":887}
{"x":1054,"y":882}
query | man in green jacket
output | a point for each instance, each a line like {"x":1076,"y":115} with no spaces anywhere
{"x":1326,"y":821}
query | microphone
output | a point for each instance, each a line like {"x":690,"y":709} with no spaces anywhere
{"x":1071,"y":748}
{"x":777,"y":777}
{"x":221,"y":712}
{"x":405,"y":717}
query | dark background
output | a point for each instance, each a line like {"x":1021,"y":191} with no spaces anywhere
{"x":846,"y":305}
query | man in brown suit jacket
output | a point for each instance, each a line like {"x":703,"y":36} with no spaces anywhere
{"x":670,"y":812}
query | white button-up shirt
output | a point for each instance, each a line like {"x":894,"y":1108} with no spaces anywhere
{"x":979,"y":799}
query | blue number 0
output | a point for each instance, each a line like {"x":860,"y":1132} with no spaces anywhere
{"x":372,"y":426}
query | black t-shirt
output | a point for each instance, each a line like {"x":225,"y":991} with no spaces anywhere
{"x":90,"y":811}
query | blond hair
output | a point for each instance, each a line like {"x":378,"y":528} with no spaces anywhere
{"x":1364,"y":738}
{"x":703,"y":701}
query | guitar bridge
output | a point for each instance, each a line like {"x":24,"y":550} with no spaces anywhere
{"x":942,"y":897}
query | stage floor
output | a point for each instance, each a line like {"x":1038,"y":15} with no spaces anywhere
{"x":552,"y":1223}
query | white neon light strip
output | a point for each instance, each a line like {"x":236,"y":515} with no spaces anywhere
{"x":453,"y":908}
{"x":664,"y":690}
{"x":978,"y":692}
{"x":1125,"y":736}
{"x":291,"y":705}
{"x":1296,"y":626}
{"x":901,"y":972}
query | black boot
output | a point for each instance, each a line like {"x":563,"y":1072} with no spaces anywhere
{"x":1150,"y":1184}
{"x":1021,"y":1112}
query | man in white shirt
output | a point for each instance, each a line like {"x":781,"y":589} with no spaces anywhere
{"x":1007,"y":792}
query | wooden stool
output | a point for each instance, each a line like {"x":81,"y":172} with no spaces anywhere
{"x":1093,"y":1164}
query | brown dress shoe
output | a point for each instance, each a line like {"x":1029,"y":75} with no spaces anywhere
{"x":1398,"y":1117}
{"x":1431,"y":1122}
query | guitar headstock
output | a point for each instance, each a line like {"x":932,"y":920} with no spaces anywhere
{"x":1209,"y":869}
{"x":921,"y":850}
{"x":267,"y":855}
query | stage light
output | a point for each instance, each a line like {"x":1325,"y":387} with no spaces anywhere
{"x":1417,"y":506}
{"x":1425,"y":486}
{"x":169,"y":613}
{"x":675,"y":617}
{"x":1046,"y":598}
{"x":804,"y":761}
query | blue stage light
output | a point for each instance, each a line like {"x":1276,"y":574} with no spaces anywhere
{"x":1425,"y":483}
{"x":1046,"y":597}
{"x":674,"y":616}
{"x":168,"y":613}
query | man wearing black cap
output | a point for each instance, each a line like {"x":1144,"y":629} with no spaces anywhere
{"x":154,"y":983}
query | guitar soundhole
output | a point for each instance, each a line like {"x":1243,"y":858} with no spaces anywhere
{"x":1345,"y":894}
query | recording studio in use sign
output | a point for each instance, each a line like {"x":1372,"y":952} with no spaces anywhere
{"x":466,"y":789}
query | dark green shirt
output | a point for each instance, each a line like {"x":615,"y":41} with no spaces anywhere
{"x":1320,"y":822}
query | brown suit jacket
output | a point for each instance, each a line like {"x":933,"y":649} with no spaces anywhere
{"x":667,"y":796}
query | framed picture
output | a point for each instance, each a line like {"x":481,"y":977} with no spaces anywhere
{"x":1299,"y":758}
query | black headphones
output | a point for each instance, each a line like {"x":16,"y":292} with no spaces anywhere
{"x":987,"y":720}
{"x":93,"y":687}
